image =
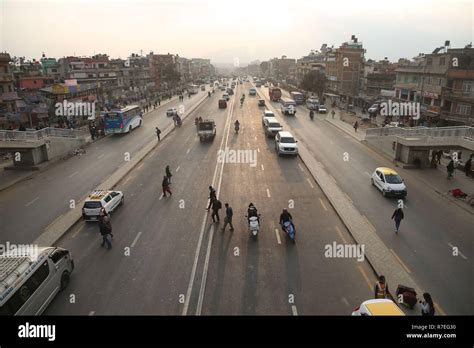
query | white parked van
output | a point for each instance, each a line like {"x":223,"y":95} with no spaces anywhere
{"x":30,"y":281}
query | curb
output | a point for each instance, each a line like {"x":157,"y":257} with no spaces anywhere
{"x":58,"y":228}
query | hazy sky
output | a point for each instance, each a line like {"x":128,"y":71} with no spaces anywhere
{"x":224,"y":30}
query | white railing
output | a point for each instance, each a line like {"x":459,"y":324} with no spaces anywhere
{"x":457,"y":131}
{"x":15,"y":135}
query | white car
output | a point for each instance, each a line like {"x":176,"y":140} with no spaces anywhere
{"x":389,"y":182}
{"x":285,"y":144}
{"x":322,"y":109}
{"x":272,"y":126}
{"x":265,"y":114}
{"x":99,"y":199}
{"x":171,"y":112}
{"x":378,"y":307}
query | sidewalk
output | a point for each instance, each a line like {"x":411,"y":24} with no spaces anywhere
{"x":336,"y":121}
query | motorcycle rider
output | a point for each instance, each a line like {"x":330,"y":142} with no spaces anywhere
{"x":237,"y":125}
{"x":285,"y":216}
{"x":252,"y":211}
{"x":311,"y":114}
{"x":209,"y":94}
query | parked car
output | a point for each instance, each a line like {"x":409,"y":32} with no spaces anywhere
{"x":99,"y":199}
{"x":285,"y":144}
{"x":388,"y":182}
{"x":272,"y":126}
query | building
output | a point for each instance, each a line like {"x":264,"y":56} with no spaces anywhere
{"x":201,"y":69}
{"x":345,"y":69}
{"x":8,"y":96}
{"x":35,"y":82}
{"x":164,"y":71}
{"x":283,"y":69}
{"x":51,"y":67}
{"x":378,"y":76}
{"x":457,"y":106}
{"x":315,"y":61}
{"x":185,"y":70}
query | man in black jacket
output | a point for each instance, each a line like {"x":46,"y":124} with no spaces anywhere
{"x":216,"y":205}
{"x":398,"y":216}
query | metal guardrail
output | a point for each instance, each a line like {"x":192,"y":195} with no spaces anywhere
{"x":457,"y":131}
{"x":15,"y":135}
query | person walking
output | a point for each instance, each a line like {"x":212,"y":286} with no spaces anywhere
{"x":381,"y":288}
{"x":398,"y":216}
{"x":212,"y":196}
{"x":228,"y":217}
{"x":216,"y":206}
{"x":356,"y":125}
{"x":333,"y":113}
{"x":468,"y":166}
{"x":427,"y":305}
{"x":105,"y":228}
{"x":158,"y":132}
{"x":450,"y":169}
{"x":440,"y":155}
{"x":165,"y":184}
{"x":168,"y":173}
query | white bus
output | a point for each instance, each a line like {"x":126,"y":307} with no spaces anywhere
{"x":30,"y":281}
{"x":193,"y":89}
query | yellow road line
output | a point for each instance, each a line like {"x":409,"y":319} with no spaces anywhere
{"x":369,"y":284}
{"x":322,"y":204}
{"x":341,"y":235}
{"x":369,"y":223}
{"x":400,"y":260}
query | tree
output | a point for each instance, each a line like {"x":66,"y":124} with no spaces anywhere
{"x":314,"y":81}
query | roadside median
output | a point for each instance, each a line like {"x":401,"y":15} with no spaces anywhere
{"x":61,"y":226}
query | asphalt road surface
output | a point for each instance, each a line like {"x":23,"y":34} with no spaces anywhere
{"x":168,"y":257}
{"x":432,"y":225}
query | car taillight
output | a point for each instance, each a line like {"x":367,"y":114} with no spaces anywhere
{"x":356,"y":309}
{"x":121,"y":125}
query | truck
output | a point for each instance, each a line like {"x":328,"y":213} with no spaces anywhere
{"x":274,"y":93}
{"x":206,"y":129}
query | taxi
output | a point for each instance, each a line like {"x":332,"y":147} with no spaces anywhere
{"x":109,"y":200}
{"x":388,"y":182}
{"x":378,"y":307}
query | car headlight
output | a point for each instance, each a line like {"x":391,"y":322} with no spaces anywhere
{"x":388,"y":188}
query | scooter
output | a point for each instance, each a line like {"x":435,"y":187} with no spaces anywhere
{"x":289,"y":229}
{"x":254,"y":225}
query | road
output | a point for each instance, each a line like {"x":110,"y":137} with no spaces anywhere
{"x":432,"y":225}
{"x":29,"y":207}
{"x":168,"y":258}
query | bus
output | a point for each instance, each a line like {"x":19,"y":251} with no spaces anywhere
{"x":297,"y":97}
{"x":193,"y":89}
{"x":123,"y":120}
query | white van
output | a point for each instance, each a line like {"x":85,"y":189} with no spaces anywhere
{"x":29,"y":281}
{"x":288,"y":106}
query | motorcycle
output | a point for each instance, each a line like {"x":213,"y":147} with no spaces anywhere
{"x":289,"y":229}
{"x":237,"y":127}
{"x":254,"y":225}
{"x":311,"y":115}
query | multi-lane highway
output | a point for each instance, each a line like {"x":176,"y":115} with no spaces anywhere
{"x":168,"y":257}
